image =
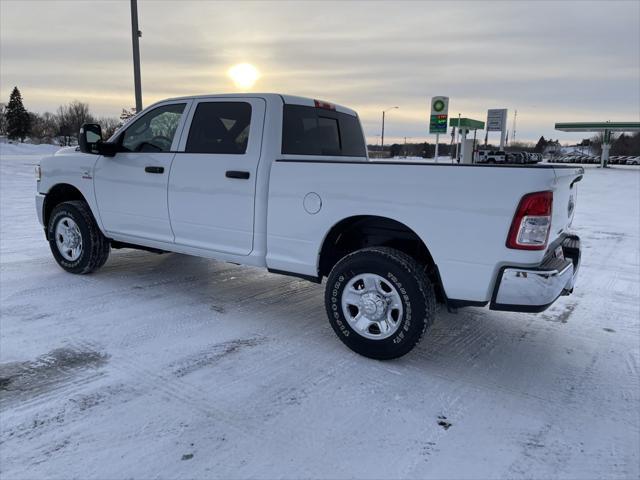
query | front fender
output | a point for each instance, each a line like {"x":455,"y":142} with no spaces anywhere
{"x":72,"y":168}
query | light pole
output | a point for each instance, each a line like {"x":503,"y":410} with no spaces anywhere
{"x":458,"y":136}
{"x":135,"y":35}
{"x":405,"y":146}
{"x":382,"y":136}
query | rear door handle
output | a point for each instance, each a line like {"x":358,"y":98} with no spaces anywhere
{"x":237,"y":174}
{"x":154,"y":169}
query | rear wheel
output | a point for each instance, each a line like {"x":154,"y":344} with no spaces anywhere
{"x":76,"y":242}
{"x":379,"y":302}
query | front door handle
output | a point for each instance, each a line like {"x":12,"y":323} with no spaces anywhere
{"x":154,"y":169}
{"x":237,"y":174}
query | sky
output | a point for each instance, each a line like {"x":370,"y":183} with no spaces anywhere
{"x":551,"y":60}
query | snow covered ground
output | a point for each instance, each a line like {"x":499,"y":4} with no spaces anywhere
{"x":166,"y":366}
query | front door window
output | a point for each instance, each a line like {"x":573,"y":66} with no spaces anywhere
{"x":154,"y":131}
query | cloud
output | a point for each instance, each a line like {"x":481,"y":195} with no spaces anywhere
{"x":551,"y":60}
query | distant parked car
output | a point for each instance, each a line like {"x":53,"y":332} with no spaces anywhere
{"x":533,"y":157}
{"x":633,"y":161}
{"x":516,"y":157}
{"x":491,"y":156}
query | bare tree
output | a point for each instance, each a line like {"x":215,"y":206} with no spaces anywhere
{"x":597,"y":140}
{"x":44,"y":128}
{"x":626,"y":144}
{"x":70,"y":119}
{"x":3,"y":119}
{"x":127,"y":114}
{"x":520,"y":146}
{"x":109,"y":126}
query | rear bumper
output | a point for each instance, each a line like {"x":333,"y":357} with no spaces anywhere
{"x":534,"y":289}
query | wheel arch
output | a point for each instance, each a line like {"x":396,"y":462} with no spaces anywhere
{"x":361,"y":231}
{"x":60,"y":192}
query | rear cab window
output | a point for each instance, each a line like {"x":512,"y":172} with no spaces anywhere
{"x":220,"y":128}
{"x":317,"y":131}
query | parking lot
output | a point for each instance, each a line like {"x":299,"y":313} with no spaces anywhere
{"x":169,"y":366}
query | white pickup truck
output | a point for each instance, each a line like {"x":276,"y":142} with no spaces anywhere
{"x":284,"y":183}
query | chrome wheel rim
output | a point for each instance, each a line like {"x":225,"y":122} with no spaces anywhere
{"x":68,"y":239}
{"x":372,"y":306}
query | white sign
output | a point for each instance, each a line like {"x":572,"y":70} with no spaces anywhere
{"x":496,"y":119}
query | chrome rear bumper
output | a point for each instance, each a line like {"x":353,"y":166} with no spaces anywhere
{"x":534,"y":289}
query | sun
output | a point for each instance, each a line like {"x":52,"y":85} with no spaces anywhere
{"x":244,"y":75}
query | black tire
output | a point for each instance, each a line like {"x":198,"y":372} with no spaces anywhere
{"x":95,"y":246}
{"x":407,"y":276}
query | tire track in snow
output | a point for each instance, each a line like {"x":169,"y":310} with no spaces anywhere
{"x":176,"y":388}
{"x":32,"y":382}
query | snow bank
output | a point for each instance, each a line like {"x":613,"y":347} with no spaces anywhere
{"x":27,"y":149}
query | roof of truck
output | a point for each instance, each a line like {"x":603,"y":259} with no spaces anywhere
{"x":287,"y":99}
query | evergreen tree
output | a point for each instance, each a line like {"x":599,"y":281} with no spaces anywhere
{"x":18,"y":120}
{"x":540,"y":146}
{"x":395,"y":150}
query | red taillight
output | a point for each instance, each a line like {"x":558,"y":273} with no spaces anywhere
{"x":531,"y":222}
{"x":325,"y":105}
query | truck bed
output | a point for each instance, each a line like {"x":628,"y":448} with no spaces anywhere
{"x":461,"y":212}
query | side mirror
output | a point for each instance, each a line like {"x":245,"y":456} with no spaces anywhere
{"x":90,"y":141}
{"x":89,"y":138}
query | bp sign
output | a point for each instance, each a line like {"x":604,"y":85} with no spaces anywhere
{"x":439,"y":113}
{"x":439,"y":105}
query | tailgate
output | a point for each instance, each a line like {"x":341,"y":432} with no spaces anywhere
{"x":565,"y":196}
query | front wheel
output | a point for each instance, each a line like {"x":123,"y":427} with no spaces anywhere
{"x":75,"y":240}
{"x":379,"y":302}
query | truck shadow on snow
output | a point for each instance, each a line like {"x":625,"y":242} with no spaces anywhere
{"x":470,"y":335}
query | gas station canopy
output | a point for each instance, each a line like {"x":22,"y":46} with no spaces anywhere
{"x":602,"y":127}
{"x":598,"y":126}
{"x":466,"y":123}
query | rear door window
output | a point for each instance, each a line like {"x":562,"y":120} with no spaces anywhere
{"x":316,"y":131}
{"x":220,"y":127}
